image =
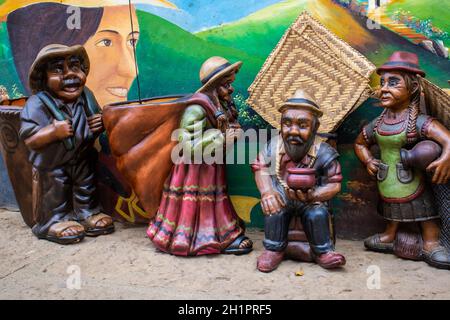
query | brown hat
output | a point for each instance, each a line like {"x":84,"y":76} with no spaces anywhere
{"x":214,"y":69}
{"x":52,"y":51}
{"x":301,"y":100}
{"x":402,"y":61}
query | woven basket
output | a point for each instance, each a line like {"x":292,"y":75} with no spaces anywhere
{"x":310,"y":57}
{"x":437,"y":101}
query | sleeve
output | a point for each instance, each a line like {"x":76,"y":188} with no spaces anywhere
{"x":32,"y":118}
{"x":368,"y":132}
{"x":263,"y":160}
{"x":193,"y":131}
{"x":333,"y":172}
{"x":422,"y":125}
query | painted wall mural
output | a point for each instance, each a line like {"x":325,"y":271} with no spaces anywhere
{"x":173,"y":38}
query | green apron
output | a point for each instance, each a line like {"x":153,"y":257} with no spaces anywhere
{"x":392,"y":183}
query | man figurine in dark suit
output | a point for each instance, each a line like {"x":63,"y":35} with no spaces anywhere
{"x":59,"y":124}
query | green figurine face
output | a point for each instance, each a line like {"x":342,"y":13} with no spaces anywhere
{"x":66,"y":78}
{"x":394,"y":92}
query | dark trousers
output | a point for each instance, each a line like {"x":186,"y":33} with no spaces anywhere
{"x":315,"y":220}
{"x":64,"y":193}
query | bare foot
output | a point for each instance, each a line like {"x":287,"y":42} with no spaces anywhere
{"x":103,"y":222}
{"x":247,"y":243}
{"x":72,"y":231}
{"x":430,"y":245}
{"x":386,"y":238}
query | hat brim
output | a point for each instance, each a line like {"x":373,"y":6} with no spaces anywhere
{"x":234,"y":67}
{"x":77,"y":50}
{"x":304,"y":106}
{"x":400,"y":68}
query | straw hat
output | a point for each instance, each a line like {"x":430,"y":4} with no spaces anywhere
{"x":301,"y":100}
{"x":214,"y":69}
{"x":52,"y":51}
{"x":402,"y":61}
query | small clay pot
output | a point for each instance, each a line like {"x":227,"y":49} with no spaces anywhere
{"x":301,"y":178}
{"x":423,"y":153}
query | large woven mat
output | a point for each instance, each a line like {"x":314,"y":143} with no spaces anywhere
{"x":310,"y":57}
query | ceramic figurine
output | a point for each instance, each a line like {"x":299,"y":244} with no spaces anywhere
{"x":306,"y":176}
{"x":59,"y":125}
{"x":196,"y":215}
{"x":188,"y":204}
{"x":405,"y":196}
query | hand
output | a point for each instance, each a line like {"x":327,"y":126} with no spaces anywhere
{"x":271,"y":202}
{"x":62,"y":129}
{"x":372,"y":166}
{"x":441,"y":168}
{"x":95,"y":123}
{"x":299,"y":195}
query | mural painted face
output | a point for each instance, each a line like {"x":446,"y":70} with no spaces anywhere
{"x":111,"y":54}
{"x":65,"y":78}
{"x":394,"y":93}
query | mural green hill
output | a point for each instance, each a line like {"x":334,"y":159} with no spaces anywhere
{"x":170,"y":58}
{"x":259,"y":32}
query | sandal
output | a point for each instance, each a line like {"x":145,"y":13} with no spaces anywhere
{"x":438,"y":258}
{"x":234,"y":247}
{"x":374,"y":243}
{"x":55,"y":231}
{"x":90,"y":224}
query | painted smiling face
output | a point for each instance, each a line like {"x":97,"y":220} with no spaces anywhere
{"x":65,"y":78}
{"x":111,"y":52}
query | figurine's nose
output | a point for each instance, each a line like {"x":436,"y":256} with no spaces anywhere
{"x":384,"y":87}
{"x":68,"y":71}
{"x":294,"y":131}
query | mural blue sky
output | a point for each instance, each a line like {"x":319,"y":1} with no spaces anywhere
{"x":196,"y":15}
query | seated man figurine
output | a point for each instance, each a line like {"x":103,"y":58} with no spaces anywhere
{"x":284,"y":196}
{"x":59,"y":125}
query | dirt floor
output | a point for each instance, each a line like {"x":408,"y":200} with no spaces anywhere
{"x":125,"y":265}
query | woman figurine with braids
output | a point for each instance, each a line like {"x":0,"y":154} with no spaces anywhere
{"x":405,"y":197}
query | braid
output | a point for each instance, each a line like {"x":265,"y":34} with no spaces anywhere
{"x":412,"y":84}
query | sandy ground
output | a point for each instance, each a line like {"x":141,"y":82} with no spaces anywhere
{"x":125,"y":265}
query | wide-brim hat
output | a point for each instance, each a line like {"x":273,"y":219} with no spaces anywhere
{"x":301,"y":100}
{"x":402,"y":61}
{"x":53,"y":51}
{"x":214,"y":69}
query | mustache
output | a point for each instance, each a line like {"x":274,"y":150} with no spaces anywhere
{"x":70,"y":82}
{"x":296,"y":139}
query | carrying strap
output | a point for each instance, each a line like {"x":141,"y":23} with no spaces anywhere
{"x":57,"y":114}
{"x":90,"y":108}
